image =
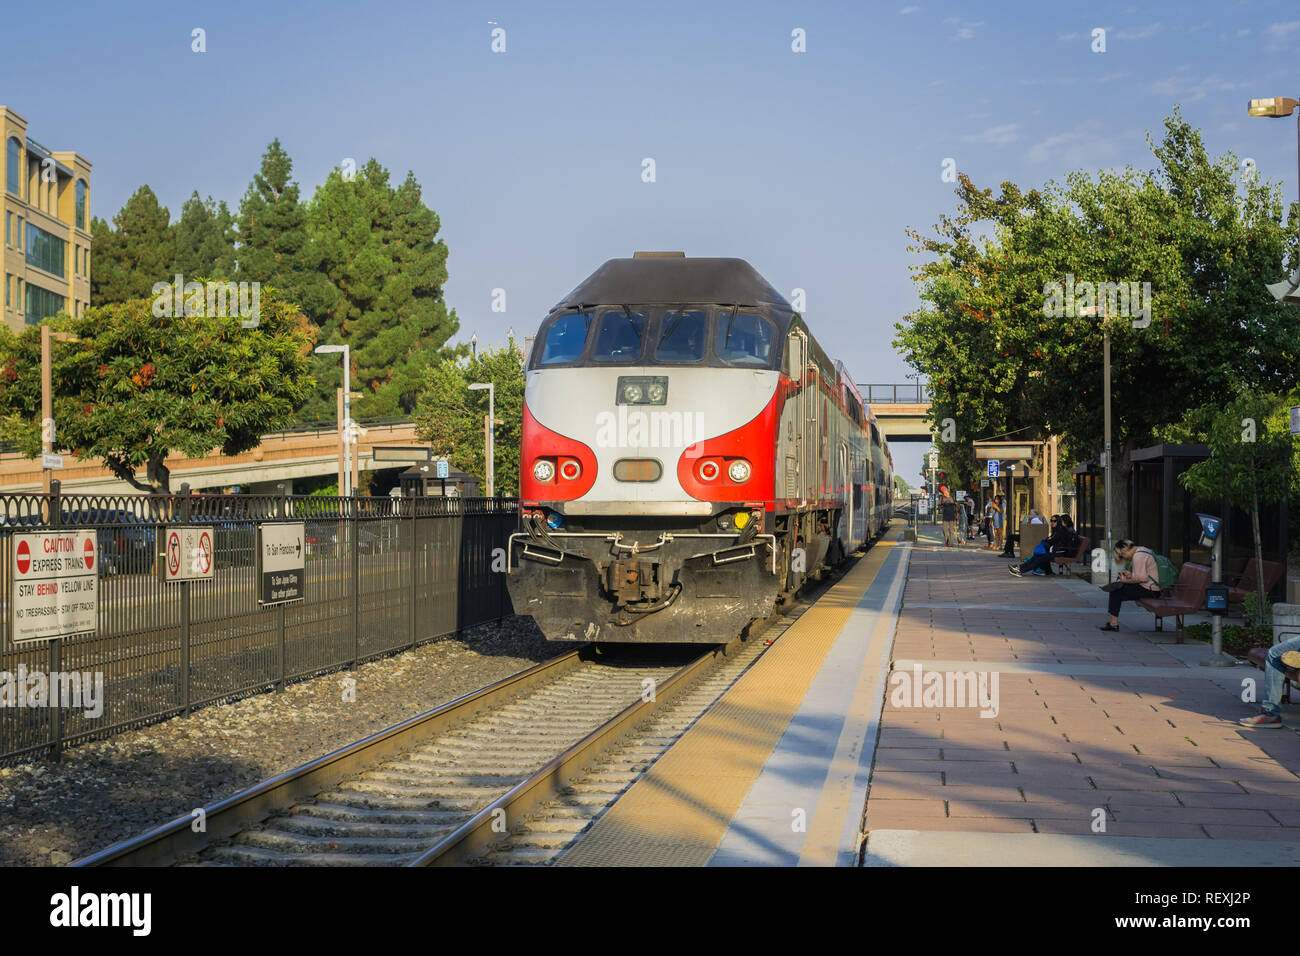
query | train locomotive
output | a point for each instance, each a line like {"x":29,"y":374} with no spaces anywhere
{"x":690,"y":456}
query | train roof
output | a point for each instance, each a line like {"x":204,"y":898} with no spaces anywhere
{"x":671,"y":279}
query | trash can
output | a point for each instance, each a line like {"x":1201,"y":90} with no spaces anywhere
{"x":1030,"y":536}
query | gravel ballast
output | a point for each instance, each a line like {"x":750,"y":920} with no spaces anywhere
{"x":108,"y":790}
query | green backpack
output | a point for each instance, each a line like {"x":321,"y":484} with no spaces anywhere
{"x":1168,"y":570}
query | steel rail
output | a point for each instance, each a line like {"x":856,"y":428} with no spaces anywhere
{"x":477,"y":834}
{"x":164,"y":844}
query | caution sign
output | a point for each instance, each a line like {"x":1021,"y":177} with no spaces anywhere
{"x":55,"y":584}
{"x":280,"y":562}
{"x":186,"y":554}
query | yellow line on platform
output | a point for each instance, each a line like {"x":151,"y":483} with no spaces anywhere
{"x":676,"y":814}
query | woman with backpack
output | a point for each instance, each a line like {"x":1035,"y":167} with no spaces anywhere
{"x":1141,"y":582}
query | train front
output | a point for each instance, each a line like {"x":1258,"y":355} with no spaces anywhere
{"x":646,"y":475}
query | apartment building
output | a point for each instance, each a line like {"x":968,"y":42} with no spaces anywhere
{"x":45,"y":206}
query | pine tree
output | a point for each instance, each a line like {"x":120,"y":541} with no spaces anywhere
{"x":136,"y":253}
{"x":379,"y":248}
{"x":204,"y":239}
{"x":274,"y":246}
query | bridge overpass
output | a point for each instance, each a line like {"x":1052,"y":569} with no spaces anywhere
{"x":902,"y":410}
{"x":282,"y":456}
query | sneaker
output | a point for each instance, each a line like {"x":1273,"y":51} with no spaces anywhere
{"x":1107,"y":627}
{"x":1014,"y":570}
{"x":1040,"y":572}
{"x":1262,"y":719}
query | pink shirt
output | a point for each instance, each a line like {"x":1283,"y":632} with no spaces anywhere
{"x":1145,"y":570}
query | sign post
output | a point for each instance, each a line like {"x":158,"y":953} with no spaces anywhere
{"x":280,"y":562}
{"x":442,"y":474}
{"x":55,"y":584}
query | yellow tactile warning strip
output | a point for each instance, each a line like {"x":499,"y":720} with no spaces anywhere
{"x":676,"y":814}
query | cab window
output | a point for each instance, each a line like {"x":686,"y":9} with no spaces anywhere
{"x":619,"y":335}
{"x":682,"y":333}
{"x":565,"y":339}
{"x":743,"y":338}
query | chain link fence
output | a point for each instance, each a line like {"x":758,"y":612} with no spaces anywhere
{"x":380,"y":575}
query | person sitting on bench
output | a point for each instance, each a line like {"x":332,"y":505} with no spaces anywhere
{"x":1282,"y":655}
{"x":1062,"y":540}
{"x":1142,"y":582}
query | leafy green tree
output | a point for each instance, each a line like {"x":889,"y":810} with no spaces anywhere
{"x":1252,"y":461}
{"x":998,"y":358}
{"x":204,"y":239}
{"x":379,"y":247}
{"x":275,"y":247}
{"x":134,"y":254}
{"x":137,"y":388}
{"x":450,"y":416}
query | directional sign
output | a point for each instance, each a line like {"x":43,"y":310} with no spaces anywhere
{"x":280,"y":562}
{"x":442,"y":468}
{"x":993,"y":467}
{"x":55,"y":586}
{"x":51,"y":461}
{"x":186,"y":555}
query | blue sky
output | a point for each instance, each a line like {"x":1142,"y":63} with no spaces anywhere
{"x":810,"y":165}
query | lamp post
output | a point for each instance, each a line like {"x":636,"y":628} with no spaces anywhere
{"x":1099,"y":310}
{"x":345,"y":426}
{"x":489,"y":429}
{"x":1275,"y":107}
{"x":48,"y":337}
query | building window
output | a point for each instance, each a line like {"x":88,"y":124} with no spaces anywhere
{"x":46,"y":251}
{"x":13,"y":166}
{"x":81,"y":204}
{"x":9,"y":228}
{"x":18,"y":238}
{"x":42,"y":304}
{"x":9,"y":281}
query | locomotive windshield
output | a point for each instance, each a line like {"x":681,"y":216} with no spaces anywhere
{"x":673,"y":335}
{"x":566,"y":339}
{"x":619,"y":336}
{"x":744,"y":339}
{"x":682,"y":334}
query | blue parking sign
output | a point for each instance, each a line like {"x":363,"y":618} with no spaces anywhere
{"x":442,"y":467}
{"x":993,"y":469}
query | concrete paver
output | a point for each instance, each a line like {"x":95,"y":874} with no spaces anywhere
{"x":1105,"y":749}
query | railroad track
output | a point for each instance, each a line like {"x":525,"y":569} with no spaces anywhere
{"x":511,"y":774}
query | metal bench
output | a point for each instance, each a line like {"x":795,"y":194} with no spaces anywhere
{"x":1248,"y":582}
{"x":1079,"y":557}
{"x":1188,"y":597}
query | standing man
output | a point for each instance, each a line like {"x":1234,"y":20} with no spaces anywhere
{"x":948,"y":514}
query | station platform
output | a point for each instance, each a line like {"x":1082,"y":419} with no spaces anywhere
{"x":931,"y":709}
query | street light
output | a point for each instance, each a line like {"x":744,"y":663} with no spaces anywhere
{"x":1096,"y":310}
{"x":1288,"y":290}
{"x":489,"y":430}
{"x":345,"y":426}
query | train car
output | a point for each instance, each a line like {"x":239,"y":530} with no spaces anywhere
{"x":690,"y":456}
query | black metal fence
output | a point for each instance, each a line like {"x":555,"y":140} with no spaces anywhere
{"x":915,"y":393}
{"x":381,"y":575}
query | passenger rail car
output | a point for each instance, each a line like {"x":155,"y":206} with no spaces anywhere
{"x":690,"y":454}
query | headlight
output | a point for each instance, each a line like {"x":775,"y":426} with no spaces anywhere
{"x":543,"y":470}
{"x":632,"y":394}
{"x":739,"y":471}
{"x":655,"y":393}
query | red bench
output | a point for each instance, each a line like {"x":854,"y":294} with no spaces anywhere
{"x":1079,"y":557}
{"x":1187,"y":597}
{"x":1249,"y":581}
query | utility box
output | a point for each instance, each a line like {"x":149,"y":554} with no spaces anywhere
{"x":1030,"y":536}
